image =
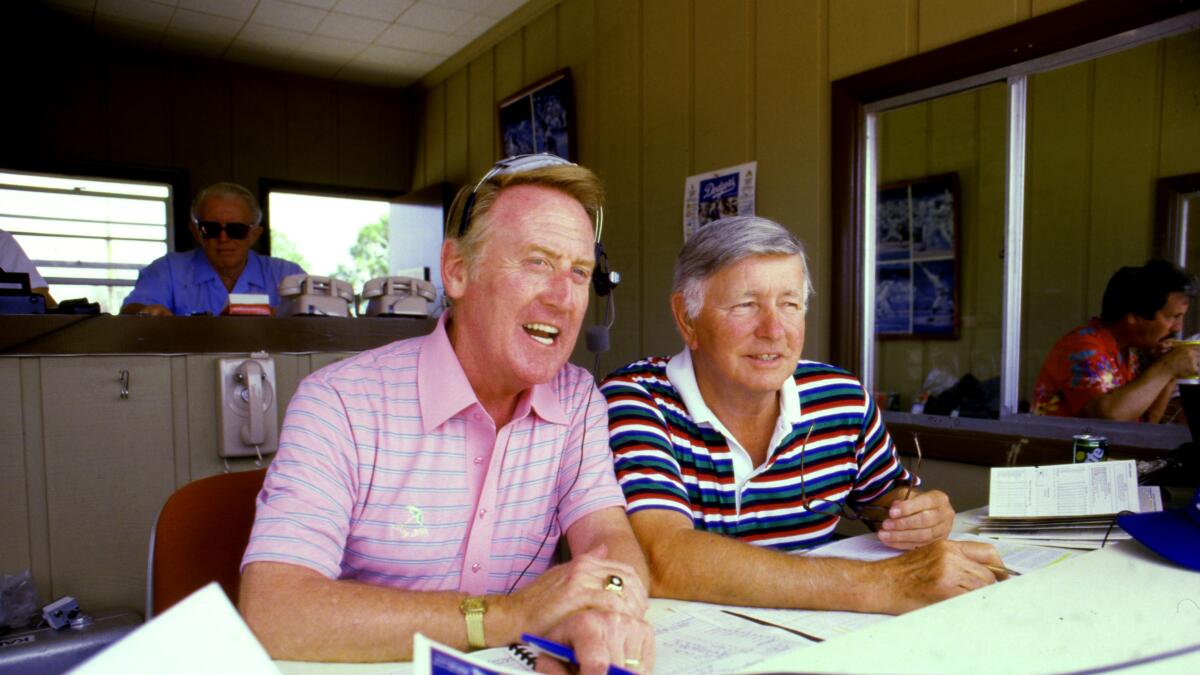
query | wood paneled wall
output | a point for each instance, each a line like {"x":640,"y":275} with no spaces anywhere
{"x":72,"y":97}
{"x":670,"y":88}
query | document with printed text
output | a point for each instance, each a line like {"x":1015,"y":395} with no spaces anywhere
{"x":1095,"y":488}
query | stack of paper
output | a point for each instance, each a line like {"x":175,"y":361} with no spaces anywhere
{"x":1067,"y":505}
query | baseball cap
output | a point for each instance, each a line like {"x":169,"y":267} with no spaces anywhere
{"x":1174,"y":534}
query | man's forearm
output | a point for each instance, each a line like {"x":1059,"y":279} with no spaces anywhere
{"x":1155,"y":413}
{"x":300,"y":615}
{"x":696,"y":565}
{"x":623,"y":547}
{"x":1129,"y":402}
{"x":609,"y":526}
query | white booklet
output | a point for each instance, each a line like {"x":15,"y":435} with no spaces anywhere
{"x":1090,"y":489}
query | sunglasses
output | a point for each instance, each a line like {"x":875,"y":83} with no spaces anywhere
{"x":211,"y":230}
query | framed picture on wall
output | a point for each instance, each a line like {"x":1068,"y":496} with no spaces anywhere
{"x":917,"y":244}
{"x":540,"y":118}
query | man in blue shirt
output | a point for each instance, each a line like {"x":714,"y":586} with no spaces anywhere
{"x":225,"y":224}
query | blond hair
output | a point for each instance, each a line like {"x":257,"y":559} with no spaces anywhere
{"x":575,"y":181}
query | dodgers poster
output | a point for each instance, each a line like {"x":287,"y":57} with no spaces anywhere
{"x":718,"y":194}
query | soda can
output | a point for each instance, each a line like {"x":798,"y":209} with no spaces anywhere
{"x":1089,"y":448}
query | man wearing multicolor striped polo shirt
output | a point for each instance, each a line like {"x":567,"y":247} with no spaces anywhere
{"x":735,"y":452}
{"x":422,"y":486}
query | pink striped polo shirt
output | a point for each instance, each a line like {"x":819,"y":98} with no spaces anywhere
{"x":390,"y":472}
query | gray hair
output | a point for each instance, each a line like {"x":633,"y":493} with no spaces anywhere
{"x":228,"y":191}
{"x":728,"y":241}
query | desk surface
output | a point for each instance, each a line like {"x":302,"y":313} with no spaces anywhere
{"x":1116,"y":605}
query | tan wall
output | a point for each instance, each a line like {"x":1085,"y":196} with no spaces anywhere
{"x":670,"y":88}
{"x":78,"y":493}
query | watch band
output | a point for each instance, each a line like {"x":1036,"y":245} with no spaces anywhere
{"x":473,"y":608}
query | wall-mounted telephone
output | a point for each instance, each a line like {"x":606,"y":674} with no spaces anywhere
{"x":247,"y":409}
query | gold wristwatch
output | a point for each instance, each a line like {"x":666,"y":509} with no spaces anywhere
{"x":473,"y":608}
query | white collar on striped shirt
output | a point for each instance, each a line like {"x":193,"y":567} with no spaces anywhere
{"x":682,"y":375}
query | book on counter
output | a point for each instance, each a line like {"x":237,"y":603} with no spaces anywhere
{"x":1065,"y":505}
{"x":249,"y":304}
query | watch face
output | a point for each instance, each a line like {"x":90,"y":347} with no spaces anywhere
{"x":473,"y":605}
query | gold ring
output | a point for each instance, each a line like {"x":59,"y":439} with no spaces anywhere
{"x":615,"y":584}
{"x":632,"y":663}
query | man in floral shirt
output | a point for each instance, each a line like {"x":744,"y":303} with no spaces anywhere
{"x":1123,"y":364}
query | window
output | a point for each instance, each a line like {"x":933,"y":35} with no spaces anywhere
{"x":1034,"y":255}
{"x":358,"y":235}
{"x":333,"y":236}
{"x":88,"y":236}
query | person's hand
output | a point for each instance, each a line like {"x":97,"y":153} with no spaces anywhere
{"x":938,"y":571}
{"x":600,"y":638}
{"x":1182,"y":360}
{"x":154,"y":310}
{"x":920,"y":520}
{"x":576,"y":586}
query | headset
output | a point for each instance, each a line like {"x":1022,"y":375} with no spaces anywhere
{"x":604,"y":280}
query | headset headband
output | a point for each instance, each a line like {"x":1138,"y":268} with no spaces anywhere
{"x":519,"y":164}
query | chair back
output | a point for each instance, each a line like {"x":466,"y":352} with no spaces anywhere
{"x":199,"y":537}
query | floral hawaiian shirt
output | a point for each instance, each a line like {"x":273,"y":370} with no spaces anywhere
{"x":1083,"y":364}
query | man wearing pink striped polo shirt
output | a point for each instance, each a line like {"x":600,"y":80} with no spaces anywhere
{"x":422,"y":486}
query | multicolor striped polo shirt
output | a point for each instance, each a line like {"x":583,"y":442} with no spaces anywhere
{"x":666,"y":460}
{"x":390,"y":472}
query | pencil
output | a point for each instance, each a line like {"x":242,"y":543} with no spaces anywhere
{"x":1001,"y":569}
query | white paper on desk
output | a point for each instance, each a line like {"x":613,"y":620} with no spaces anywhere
{"x":1095,"y":488}
{"x":202,"y":634}
{"x":1149,"y":499}
{"x":696,"y":637}
{"x":1077,"y":545}
{"x":819,"y":624}
{"x":1019,"y":557}
{"x":1022,"y":557}
{"x":1058,"y":534}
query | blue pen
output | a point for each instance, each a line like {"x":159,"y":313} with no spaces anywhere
{"x":564,"y":653}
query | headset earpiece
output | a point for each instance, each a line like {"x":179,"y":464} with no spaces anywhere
{"x":604,"y":280}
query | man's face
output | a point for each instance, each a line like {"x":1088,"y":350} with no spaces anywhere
{"x":1167,"y":322}
{"x":226,"y":254}
{"x":748,"y":336}
{"x":518,"y":309}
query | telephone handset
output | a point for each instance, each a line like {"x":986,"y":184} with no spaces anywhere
{"x":250,"y":376}
{"x":398,"y":296}
{"x":247,"y":406}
